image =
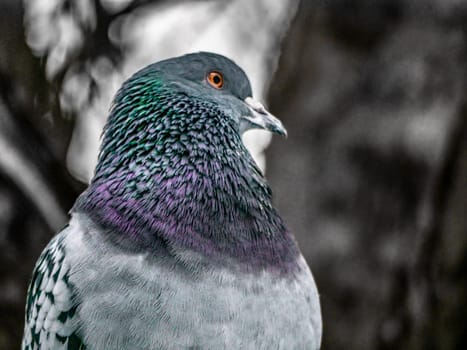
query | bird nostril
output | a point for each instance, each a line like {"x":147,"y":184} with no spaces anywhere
{"x":255,"y":105}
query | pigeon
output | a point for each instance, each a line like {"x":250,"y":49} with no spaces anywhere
{"x":176,"y":244}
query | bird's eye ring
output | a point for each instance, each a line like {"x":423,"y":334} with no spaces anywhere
{"x":215,"y":79}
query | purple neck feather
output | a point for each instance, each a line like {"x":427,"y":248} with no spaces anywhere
{"x":213,"y":212}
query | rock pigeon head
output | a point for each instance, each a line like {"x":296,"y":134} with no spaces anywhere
{"x":217,"y":80}
{"x":173,"y":170}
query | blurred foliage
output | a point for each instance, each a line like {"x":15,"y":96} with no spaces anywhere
{"x":373,"y":96}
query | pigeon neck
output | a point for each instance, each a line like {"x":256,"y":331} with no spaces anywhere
{"x":178,"y":189}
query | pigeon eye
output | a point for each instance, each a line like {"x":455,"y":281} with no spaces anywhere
{"x":215,"y":79}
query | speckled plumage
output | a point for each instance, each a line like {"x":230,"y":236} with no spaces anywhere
{"x":176,"y":244}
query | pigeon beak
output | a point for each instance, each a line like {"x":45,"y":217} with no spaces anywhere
{"x":260,"y":118}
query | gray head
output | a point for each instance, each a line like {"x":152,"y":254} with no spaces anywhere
{"x":217,"y":79}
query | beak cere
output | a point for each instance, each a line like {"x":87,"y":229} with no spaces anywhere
{"x":260,"y":118}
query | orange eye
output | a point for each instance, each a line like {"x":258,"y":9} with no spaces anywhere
{"x":215,"y":79}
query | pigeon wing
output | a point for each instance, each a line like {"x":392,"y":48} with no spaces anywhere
{"x":51,"y":320}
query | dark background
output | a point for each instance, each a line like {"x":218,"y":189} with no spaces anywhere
{"x":372,"y":179}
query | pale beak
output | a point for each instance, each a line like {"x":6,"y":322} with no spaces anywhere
{"x":260,"y":118}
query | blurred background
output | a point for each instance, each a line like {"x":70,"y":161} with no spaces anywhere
{"x":372,"y":179}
